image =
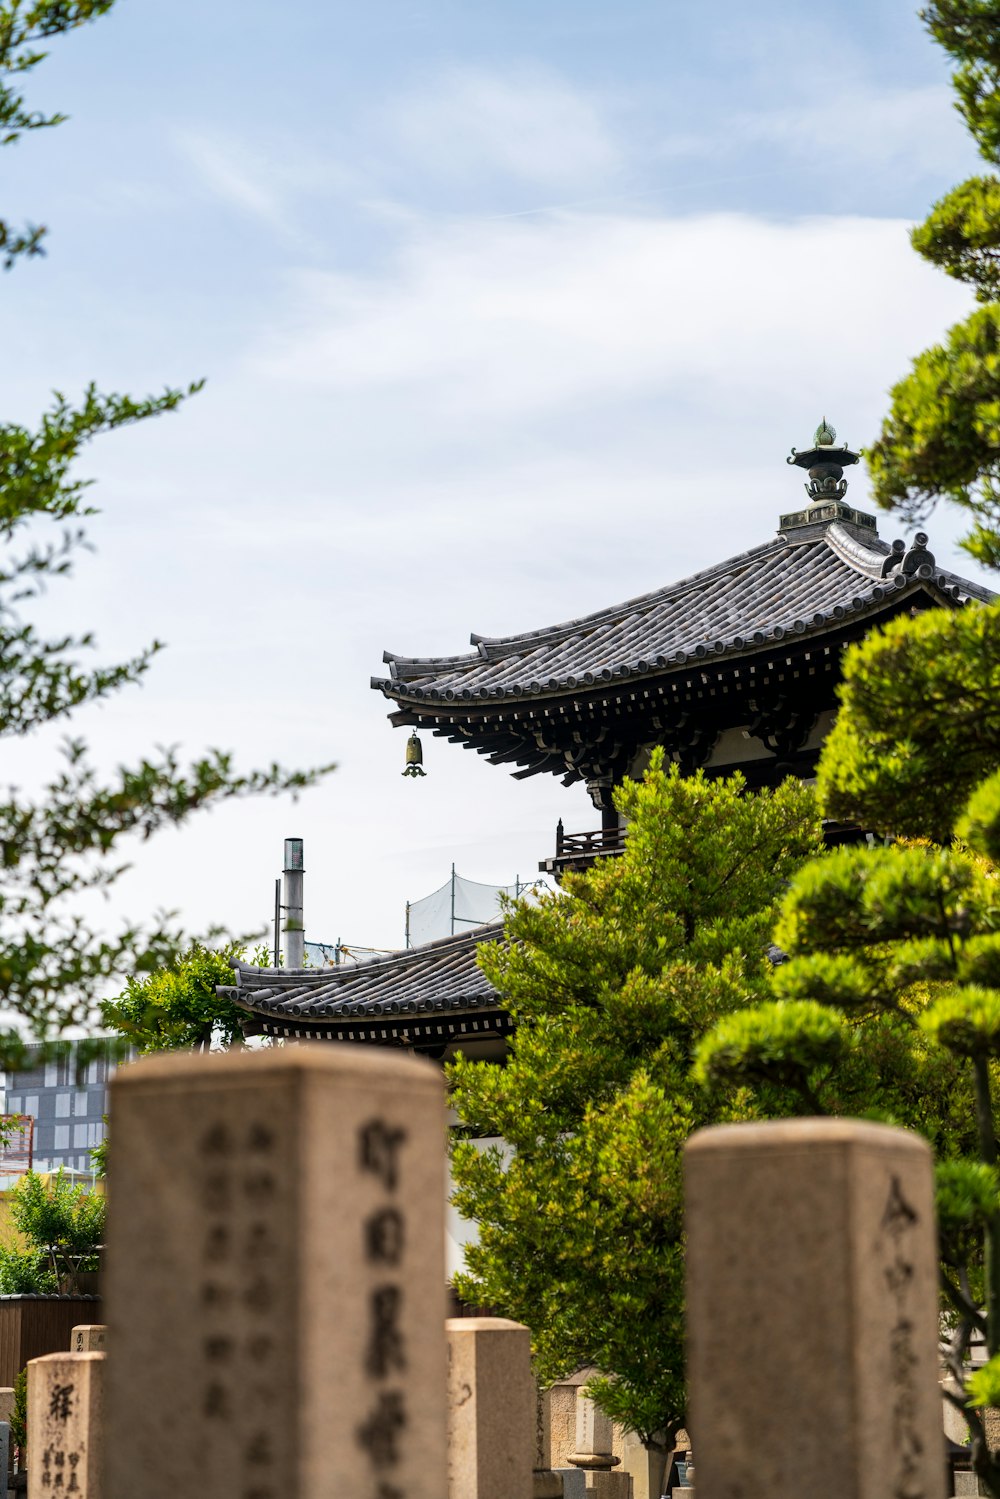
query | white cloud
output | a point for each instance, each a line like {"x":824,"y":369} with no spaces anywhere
{"x":505,"y":424}
{"x":856,"y":130}
{"x":528,"y":124}
{"x":232,"y":174}
{"x":512,"y":320}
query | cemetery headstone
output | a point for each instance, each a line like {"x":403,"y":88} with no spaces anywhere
{"x":812,"y":1311}
{"x":89,"y":1337}
{"x":593,"y":1454}
{"x":66,"y":1426}
{"x":562,"y":1416}
{"x":491,"y":1409}
{"x":275,"y":1280}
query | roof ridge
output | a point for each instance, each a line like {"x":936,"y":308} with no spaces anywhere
{"x":400,"y":956}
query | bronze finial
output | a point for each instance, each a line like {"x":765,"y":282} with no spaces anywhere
{"x":825,"y":462}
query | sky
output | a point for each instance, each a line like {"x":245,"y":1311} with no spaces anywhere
{"x":506,"y":312}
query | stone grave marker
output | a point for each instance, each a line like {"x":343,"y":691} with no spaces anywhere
{"x":5,"y":1456}
{"x":492,"y":1409}
{"x":812,"y":1311}
{"x":593,"y":1451}
{"x":66,"y":1426}
{"x":89,"y":1337}
{"x":275,"y":1285}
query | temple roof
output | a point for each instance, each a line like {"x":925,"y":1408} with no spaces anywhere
{"x":424,"y":996}
{"x":805,"y":581}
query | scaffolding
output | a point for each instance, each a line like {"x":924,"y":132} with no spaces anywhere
{"x":460,"y":903}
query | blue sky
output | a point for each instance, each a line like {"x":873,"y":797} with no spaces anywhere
{"x":506,"y":311}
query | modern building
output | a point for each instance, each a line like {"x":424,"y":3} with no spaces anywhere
{"x":67,"y":1103}
{"x":734,"y":668}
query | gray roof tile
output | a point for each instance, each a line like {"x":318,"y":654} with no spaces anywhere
{"x":432,"y":979}
{"x":795,"y":584}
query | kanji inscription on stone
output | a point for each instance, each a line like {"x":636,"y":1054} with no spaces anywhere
{"x":298,"y":1348}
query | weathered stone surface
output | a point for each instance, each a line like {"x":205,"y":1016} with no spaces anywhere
{"x":66,"y":1426}
{"x":276,"y":1298}
{"x":646,"y":1469}
{"x":812,"y":1244}
{"x":562,"y":1417}
{"x":594,"y":1436}
{"x":492,"y":1407}
{"x":605,"y":1483}
{"x":573,"y":1481}
{"x":6,"y":1404}
{"x":89,"y":1337}
{"x":543,"y":1430}
{"x":546,"y":1484}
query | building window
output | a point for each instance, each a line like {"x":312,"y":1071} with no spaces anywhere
{"x":63,"y":1099}
{"x":79,"y":1136}
{"x":13,"y":1103}
{"x":52,"y":1078}
{"x":61,"y":1137}
{"x":82,"y":1100}
{"x":31,"y":1105}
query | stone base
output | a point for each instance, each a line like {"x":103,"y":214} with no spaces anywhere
{"x":546,"y":1484}
{"x":604,"y":1483}
{"x":968,"y":1483}
{"x":574,"y":1485}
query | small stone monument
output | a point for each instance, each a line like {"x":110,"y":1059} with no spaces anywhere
{"x":812,"y":1311}
{"x":491,"y":1409}
{"x":594,"y":1442}
{"x":89,"y":1337}
{"x":66,"y":1426}
{"x":275,"y":1283}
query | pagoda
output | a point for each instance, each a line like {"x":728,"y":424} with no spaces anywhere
{"x":734,"y":668}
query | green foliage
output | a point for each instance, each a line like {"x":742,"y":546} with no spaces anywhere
{"x":967,"y":1196}
{"x":99,"y":1154}
{"x":919,"y":726}
{"x":795,"y":1043}
{"x":612,"y":984}
{"x":960,"y":235}
{"x":898,"y":948}
{"x":73,"y":838}
{"x":980,"y":826}
{"x":983,"y":1387}
{"x":970,"y":31}
{"x":23,"y":24}
{"x":177,"y":1007}
{"x":58,"y":1213}
{"x":19,"y":1417}
{"x":966,"y":1021}
{"x":25,"y":1272}
{"x":940,"y":438}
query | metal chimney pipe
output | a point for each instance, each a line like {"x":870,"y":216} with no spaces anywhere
{"x":295,"y":932}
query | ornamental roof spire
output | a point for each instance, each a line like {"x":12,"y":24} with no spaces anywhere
{"x":825,"y":462}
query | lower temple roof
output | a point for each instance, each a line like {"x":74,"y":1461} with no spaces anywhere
{"x":425,"y":996}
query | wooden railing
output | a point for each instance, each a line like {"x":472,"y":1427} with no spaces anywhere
{"x":589,"y":845}
{"x":578,"y":850}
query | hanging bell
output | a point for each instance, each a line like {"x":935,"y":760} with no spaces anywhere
{"x":414,"y":757}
